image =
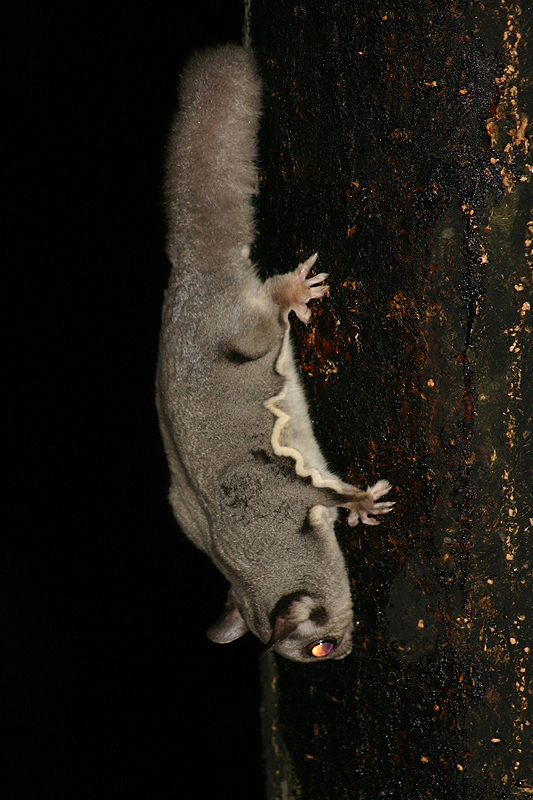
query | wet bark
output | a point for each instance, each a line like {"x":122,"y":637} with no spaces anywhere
{"x":395,"y":142}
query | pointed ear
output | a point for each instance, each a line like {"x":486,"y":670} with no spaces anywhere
{"x":229,"y":627}
{"x":288,"y":612}
{"x":283,"y":627}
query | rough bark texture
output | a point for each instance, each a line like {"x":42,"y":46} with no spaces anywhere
{"x":395,"y":143}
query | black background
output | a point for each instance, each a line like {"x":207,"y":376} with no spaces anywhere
{"x":113,"y":689}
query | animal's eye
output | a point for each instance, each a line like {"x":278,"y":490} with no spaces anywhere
{"x":322,"y":648}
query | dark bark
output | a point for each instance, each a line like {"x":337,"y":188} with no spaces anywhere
{"x":395,"y":143}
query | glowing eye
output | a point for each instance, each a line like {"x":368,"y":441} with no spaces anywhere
{"x":323,"y":648}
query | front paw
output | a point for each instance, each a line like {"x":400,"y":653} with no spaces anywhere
{"x":363,"y":508}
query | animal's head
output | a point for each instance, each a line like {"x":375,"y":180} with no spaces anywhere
{"x":302,"y":609}
{"x":302,"y":628}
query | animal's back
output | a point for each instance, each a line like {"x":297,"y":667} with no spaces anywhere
{"x":221,"y":332}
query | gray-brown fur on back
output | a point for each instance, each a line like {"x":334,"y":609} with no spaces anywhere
{"x":207,"y":393}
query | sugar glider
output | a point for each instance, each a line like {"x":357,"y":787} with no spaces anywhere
{"x":249,"y":484}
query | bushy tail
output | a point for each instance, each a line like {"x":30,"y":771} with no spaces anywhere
{"x":211,"y":174}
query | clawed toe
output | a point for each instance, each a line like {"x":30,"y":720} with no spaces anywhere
{"x":316,"y":278}
{"x":317,"y":291}
{"x":366,"y":520}
{"x":306,"y":266}
{"x":379,"y":489}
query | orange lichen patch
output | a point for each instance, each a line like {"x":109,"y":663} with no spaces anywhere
{"x":508,"y":120}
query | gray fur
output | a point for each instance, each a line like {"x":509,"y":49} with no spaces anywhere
{"x":249,"y":484}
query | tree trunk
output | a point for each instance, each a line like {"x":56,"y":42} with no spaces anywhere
{"x":395,"y":143}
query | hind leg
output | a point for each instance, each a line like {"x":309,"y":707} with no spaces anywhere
{"x":292,"y":292}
